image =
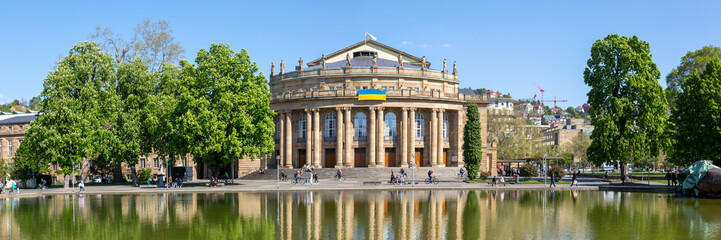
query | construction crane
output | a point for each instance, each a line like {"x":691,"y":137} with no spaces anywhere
{"x":543,"y":100}
{"x":542,"y":91}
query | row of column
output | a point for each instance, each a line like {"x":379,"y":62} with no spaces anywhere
{"x":376,"y":137}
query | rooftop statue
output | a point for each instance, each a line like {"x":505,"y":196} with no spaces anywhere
{"x":455,"y":71}
{"x":322,"y":62}
{"x":423,"y":63}
{"x":272,"y":69}
{"x":347,"y":60}
{"x":282,"y":67}
{"x":300,"y":63}
{"x":400,"y":61}
{"x":444,"y":65}
{"x":375,"y":61}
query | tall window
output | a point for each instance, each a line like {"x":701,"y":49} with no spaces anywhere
{"x":184,"y":160}
{"x":330,"y":125}
{"x":302,"y":120}
{"x":277,"y":128}
{"x":142,"y":163}
{"x":445,"y":127}
{"x":155,"y":163}
{"x":390,"y":122}
{"x":419,"y":126}
{"x":10,"y":148}
{"x":359,"y":121}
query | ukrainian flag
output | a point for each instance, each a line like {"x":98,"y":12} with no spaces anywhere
{"x":371,"y":95}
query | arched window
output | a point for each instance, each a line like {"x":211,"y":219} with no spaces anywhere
{"x":390,"y":122}
{"x":419,"y":127}
{"x":445,"y":127}
{"x":302,"y":124}
{"x":359,"y":122}
{"x":330,"y":125}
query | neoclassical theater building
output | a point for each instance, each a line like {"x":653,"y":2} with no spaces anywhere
{"x":322,"y":121}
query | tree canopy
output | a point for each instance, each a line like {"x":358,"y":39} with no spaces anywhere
{"x":629,"y":106}
{"x":223,"y":113}
{"x":78,"y":104}
{"x":692,"y":63}
{"x":697,"y":118}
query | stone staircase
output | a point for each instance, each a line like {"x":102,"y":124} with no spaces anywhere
{"x":362,"y":173}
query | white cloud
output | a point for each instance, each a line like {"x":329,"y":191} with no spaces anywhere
{"x":406,"y":43}
{"x":446,"y":45}
{"x":425,"y":45}
{"x":2,"y":96}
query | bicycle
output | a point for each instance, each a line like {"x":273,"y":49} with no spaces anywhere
{"x":338,"y":177}
{"x":283,"y":177}
{"x":434,"y":181}
{"x":297,"y":181}
{"x":462,"y":174}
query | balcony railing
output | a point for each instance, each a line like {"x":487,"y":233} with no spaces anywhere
{"x":389,"y":93}
{"x":389,"y":138}
{"x":411,"y":72}
{"x":360,"y":138}
{"x":329,"y":139}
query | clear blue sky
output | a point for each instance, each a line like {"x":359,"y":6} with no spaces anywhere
{"x":502,"y":45}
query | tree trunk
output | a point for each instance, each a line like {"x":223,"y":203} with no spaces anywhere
{"x":117,"y":172}
{"x":66,"y":181}
{"x":134,"y":175}
{"x":624,"y":168}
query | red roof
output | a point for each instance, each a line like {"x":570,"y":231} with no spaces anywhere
{"x":499,"y":93}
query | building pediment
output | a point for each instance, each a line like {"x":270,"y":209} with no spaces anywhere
{"x":383,"y":51}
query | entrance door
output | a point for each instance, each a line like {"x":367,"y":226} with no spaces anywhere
{"x":390,"y":157}
{"x":360,"y":158}
{"x":301,"y":158}
{"x":330,"y":157}
{"x":445,"y":157}
{"x":419,"y":157}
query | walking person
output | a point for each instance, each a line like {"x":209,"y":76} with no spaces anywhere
{"x":668,"y":178}
{"x":574,"y":180}
{"x":81,"y":186}
{"x":674,"y":178}
{"x":553,"y":181}
{"x":42,"y":183}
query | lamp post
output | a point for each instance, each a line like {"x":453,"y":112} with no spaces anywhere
{"x":277,"y":168}
{"x":545,"y":169}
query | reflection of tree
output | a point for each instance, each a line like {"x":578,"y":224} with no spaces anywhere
{"x":471,"y":217}
{"x":106,"y":218}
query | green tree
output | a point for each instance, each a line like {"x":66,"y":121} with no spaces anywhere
{"x":697,"y":118}
{"x":515,"y":138}
{"x":472,"y":142}
{"x":78,"y":101}
{"x":131,"y":133}
{"x":224,"y":109}
{"x":578,"y":146}
{"x":692,"y":63}
{"x":629,"y":106}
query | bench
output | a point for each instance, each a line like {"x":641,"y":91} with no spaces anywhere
{"x":496,"y":184}
{"x":219,"y":184}
{"x":372,"y":183}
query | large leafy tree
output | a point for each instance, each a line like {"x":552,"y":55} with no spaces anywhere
{"x":629,"y":106}
{"x":132,"y":136}
{"x":472,"y":142}
{"x":515,"y":138}
{"x":692,"y":63}
{"x":224,"y":109}
{"x":697,"y":118}
{"x":78,"y":105}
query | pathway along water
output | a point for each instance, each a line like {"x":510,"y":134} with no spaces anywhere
{"x":484,"y":214}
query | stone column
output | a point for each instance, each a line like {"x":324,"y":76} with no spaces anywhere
{"x":309,"y":137}
{"x":281,"y":140}
{"x":404,"y":138}
{"x":288,"y":161}
{"x":433,"y":131}
{"x":372,"y":138}
{"x":381,"y":150}
{"x":349,"y":153}
{"x":440,"y":138}
{"x":411,"y":135}
{"x":339,"y":138}
{"x":317,"y":141}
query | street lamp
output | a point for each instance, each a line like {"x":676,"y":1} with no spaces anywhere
{"x":277,"y":169}
{"x":545,"y":169}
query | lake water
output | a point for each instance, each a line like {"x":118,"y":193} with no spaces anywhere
{"x":363,"y":215}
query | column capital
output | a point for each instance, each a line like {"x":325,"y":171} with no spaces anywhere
{"x":405,"y":108}
{"x":314,"y":109}
{"x":380,"y":108}
{"x":308,"y":110}
{"x":412,"y":109}
{"x":339,"y":108}
{"x":347,"y":108}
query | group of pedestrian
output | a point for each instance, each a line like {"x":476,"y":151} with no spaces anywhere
{"x":672,"y":178}
{"x":400,"y":178}
{"x":312,"y":176}
{"x":213,"y":182}
{"x":11,"y":185}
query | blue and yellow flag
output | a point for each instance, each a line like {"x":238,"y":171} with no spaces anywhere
{"x":372,"y":95}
